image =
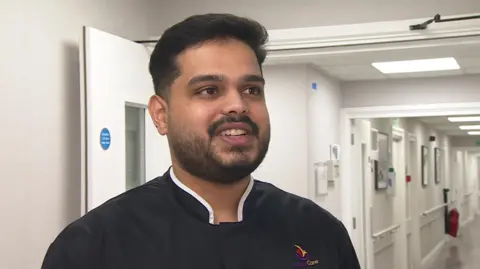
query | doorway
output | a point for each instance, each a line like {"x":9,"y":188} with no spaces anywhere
{"x":134,"y":145}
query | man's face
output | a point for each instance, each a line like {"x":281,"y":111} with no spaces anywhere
{"x":217,"y":120}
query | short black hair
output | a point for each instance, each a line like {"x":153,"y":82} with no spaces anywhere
{"x":196,"y":30}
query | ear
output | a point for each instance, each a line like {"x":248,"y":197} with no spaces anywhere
{"x":157,"y":106}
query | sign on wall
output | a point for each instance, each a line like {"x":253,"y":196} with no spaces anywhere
{"x":105,"y":139}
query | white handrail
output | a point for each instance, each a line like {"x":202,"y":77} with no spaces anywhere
{"x":390,"y":229}
{"x":430,"y":211}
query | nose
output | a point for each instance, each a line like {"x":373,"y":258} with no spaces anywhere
{"x":235,"y":103}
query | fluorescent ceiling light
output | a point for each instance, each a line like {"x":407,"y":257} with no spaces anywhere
{"x":463,"y":119}
{"x":470,"y":127}
{"x":426,"y":65}
{"x":474,"y":133}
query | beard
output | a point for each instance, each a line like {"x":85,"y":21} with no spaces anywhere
{"x":197,"y":155}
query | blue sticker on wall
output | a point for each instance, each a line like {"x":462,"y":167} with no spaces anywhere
{"x":105,"y":139}
{"x":314,"y":85}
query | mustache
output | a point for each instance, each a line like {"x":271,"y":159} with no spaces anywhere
{"x":233,"y":119}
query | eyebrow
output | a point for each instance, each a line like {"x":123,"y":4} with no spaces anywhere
{"x":219,"y":78}
{"x":253,"y":78}
{"x":205,"y":78}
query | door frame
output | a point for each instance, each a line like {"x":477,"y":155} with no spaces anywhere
{"x":412,"y":221}
{"x":348,"y":185}
{"x":299,"y":44}
{"x":361,"y":158}
{"x":400,"y":135}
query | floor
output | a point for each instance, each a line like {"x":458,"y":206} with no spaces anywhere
{"x":462,"y":252}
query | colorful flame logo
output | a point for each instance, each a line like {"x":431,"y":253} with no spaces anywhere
{"x":301,"y":254}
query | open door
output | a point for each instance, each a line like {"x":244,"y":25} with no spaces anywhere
{"x":122,"y":148}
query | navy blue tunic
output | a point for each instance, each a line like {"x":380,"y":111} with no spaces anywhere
{"x":161,"y":226}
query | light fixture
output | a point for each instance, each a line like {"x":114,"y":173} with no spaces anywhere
{"x":474,"y":133}
{"x":425,"y":65}
{"x":470,"y":127}
{"x":463,"y":119}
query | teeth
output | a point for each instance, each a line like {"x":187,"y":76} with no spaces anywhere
{"x":233,"y":132}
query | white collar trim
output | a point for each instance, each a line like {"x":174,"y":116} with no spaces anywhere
{"x":211,"y":218}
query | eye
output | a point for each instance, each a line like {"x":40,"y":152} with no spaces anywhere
{"x":208,"y":91}
{"x":253,"y":90}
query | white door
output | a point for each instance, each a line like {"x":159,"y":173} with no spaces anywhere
{"x":123,"y":148}
{"x":362,"y":199}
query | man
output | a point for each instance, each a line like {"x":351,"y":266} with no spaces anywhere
{"x":207,"y":211}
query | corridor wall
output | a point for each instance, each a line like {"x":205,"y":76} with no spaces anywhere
{"x":383,"y":210}
{"x":466,"y":174}
{"x":467,"y":195}
{"x":304,"y":106}
{"x":431,"y":227}
{"x":40,"y":159}
{"x":427,"y":232}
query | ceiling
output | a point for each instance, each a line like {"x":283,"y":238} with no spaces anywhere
{"x":443,"y":125}
{"x":357,"y":66}
{"x":275,"y":14}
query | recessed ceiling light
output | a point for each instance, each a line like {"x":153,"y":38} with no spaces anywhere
{"x":474,"y":133}
{"x":425,"y":65}
{"x":463,"y":119}
{"x":470,"y":127}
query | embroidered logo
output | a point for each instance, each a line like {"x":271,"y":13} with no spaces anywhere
{"x":303,"y":259}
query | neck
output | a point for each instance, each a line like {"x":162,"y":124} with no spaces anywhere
{"x":223,"y":198}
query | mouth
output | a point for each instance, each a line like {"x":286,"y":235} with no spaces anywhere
{"x":235,"y":134}
{"x":234,"y":129}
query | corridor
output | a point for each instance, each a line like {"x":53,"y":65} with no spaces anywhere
{"x":463,"y":252}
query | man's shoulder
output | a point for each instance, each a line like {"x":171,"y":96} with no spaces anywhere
{"x":292,"y":205}
{"x":149,"y":197}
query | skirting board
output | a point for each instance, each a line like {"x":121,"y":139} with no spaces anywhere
{"x":431,"y":257}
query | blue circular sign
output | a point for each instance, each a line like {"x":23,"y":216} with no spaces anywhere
{"x":105,"y":139}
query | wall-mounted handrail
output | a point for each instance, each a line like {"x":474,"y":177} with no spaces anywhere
{"x":430,"y":211}
{"x":389,"y":230}
{"x":430,"y":222}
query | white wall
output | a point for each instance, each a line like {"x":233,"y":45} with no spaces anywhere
{"x":466,"y":172}
{"x":291,"y":14}
{"x":40,"y":115}
{"x":304,"y":125}
{"x":323,"y":119}
{"x":411,"y":91}
{"x":467,"y":189}
{"x":285,"y":165}
{"x":430,"y":196}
